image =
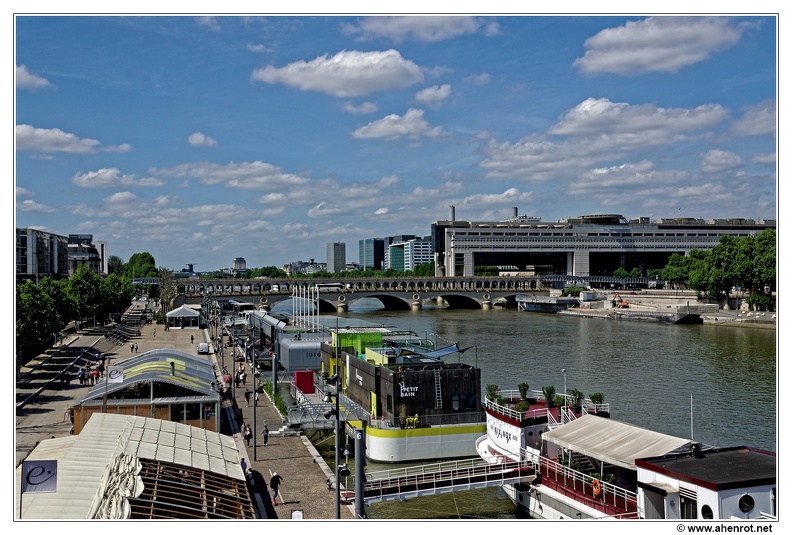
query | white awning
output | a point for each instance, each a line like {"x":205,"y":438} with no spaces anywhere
{"x":612,"y":442}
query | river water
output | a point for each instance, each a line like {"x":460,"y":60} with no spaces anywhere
{"x":647,"y":372}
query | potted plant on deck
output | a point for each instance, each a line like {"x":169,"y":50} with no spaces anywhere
{"x":576,"y":399}
{"x":524,"y":388}
{"x":549,"y":395}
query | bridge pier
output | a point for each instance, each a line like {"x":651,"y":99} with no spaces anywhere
{"x":486,"y":303}
{"x":415,"y":304}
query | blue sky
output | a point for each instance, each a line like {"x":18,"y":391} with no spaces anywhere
{"x":201,"y":139}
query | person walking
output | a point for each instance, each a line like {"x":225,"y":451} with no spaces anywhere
{"x":243,"y":464}
{"x":247,"y":398}
{"x":192,"y":339}
{"x":265,"y":432}
{"x":275,"y":484}
{"x":247,"y":435}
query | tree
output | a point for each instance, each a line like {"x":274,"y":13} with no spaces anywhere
{"x":37,"y":319}
{"x":140,"y":265}
{"x":83,"y":293}
{"x":115,"y":294}
{"x":167,"y":288}
{"x":115,"y":266}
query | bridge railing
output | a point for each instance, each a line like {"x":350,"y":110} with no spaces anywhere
{"x":441,"y":477}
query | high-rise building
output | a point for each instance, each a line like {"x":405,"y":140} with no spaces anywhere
{"x":41,"y":254}
{"x":238,"y":265}
{"x":406,"y":255}
{"x":371,"y":252}
{"x":336,"y":257}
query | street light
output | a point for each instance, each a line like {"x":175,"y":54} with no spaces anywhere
{"x":335,"y":381}
{"x":563,"y":370}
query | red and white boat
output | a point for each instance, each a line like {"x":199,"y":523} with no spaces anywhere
{"x":587,"y":465}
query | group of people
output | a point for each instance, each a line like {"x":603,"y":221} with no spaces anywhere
{"x":89,"y":375}
{"x":133,"y":347}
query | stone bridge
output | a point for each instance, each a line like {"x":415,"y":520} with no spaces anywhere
{"x":403,"y":293}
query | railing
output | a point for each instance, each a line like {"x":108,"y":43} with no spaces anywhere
{"x":587,"y":406}
{"x":612,"y":500}
{"x":441,"y":477}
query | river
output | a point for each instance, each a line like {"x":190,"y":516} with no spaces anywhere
{"x":648,"y":372}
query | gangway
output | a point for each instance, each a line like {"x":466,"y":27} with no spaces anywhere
{"x":450,"y":476}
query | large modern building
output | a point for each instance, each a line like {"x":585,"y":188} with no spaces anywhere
{"x":588,"y":245}
{"x":40,"y":254}
{"x":406,"y":255}
{"x":336,"y":257}
{"x":371,"y":253}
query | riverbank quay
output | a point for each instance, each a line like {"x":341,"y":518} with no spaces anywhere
{"x":721,"y":318}
{"x":43,"y":413}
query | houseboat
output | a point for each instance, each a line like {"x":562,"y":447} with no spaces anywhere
{"x":589,"y":466}
{"x":419,"y":403}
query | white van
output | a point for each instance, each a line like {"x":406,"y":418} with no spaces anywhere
{"x":203,"y":348}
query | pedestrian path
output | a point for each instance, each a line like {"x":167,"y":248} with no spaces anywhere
{"x":304,"y":493}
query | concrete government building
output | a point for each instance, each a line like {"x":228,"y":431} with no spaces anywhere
{"x":588,"y":245}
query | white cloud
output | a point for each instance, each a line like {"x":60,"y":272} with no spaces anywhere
{"x":209,"y":22}
{"x":769,"y":158}
{"x":245,"y":175}
{"x":258,"y":48}
{"x":433,"y":96}
{"x":479,"y":79}
{"x":411,"y":124}
{"x":756,"y":120}
{"x":420,"y":28}
{"x":23,"y":192}
{"x":657,"y":44}
{"x":362,"y":108}
{"x":122,"y":197}
{"x":53,"y":140}
{"x":112,"y":177}
{"x":719,"y":161}
{"x":198,"y":139}
{"x":27,"y":80}
{"x":29,"y":205}
{"x":347,"y":74}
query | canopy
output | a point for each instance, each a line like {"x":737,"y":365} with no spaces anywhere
{"x":183,"y":312}
{"x":613,"y":442}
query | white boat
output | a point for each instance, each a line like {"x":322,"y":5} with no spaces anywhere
{"x":588,"y":466}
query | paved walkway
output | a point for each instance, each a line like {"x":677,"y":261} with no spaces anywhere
{"x":303,"y":492}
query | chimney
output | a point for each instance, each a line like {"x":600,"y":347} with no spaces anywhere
{"x":451,"y":213}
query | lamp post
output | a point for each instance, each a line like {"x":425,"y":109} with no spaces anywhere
{"x":563,"y":370}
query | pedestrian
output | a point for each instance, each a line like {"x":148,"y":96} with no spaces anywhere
{"x":244,"y":466}
{"x":131,"y":347}
{"x":265,"y":432}
{"x":96,"y":376}
{"x":275,"y":484}
{"x":236,"y":380}
{"x":247,"y":398}
{"x":192,"y":339}
{"x":247,"y":435}
{"x":155,"y":333}
{"x":242,"y":377}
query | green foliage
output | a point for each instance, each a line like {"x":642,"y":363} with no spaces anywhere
{"x":522,"y":406}
{"x":268,"y":271}
{"x":492,"y":392}
{"x":140,"y":265}
{"x":485,"y":271}
{"x":277,"y":400}
{"x":44,"y":309}
{"x":576,"y":396}
{"x":573,"y":291}
{"x":549,"y":393}
{"x":115,"y":266}
{"x":597,"y":398}
{"x":524,"y":388}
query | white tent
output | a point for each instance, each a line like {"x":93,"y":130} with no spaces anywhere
{"x":184,"y":316}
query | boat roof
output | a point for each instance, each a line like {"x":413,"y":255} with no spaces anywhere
{"x":613,"y":442}
{"x":85,"y":462}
